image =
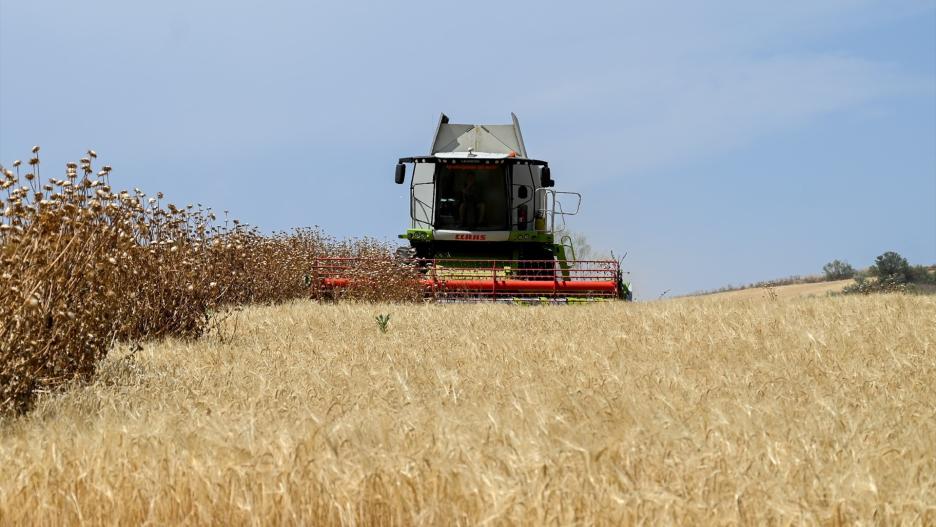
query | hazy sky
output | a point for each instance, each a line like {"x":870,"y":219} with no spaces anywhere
{"x":714,"y":144}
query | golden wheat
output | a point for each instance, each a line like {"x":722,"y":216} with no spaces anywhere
{"x":690,"y":411}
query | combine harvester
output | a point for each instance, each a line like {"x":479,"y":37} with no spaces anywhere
{"x":486,"y":225}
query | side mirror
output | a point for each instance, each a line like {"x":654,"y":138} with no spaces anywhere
{"x":545,"y":180}
{"x":400,"y":175}
{"x":522,"y":192}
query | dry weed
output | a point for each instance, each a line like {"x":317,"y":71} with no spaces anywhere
{"x":83,"y":266}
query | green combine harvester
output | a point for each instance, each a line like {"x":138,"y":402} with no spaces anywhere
{"x":486,"y":224}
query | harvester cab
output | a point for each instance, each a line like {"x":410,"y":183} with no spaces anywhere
{"x":479,"y":195}
{"x":487,"y":224}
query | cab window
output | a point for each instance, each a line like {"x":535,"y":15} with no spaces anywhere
{"x":471,"y":197}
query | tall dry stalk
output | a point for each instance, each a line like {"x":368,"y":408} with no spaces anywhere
{"x":83,"y":265}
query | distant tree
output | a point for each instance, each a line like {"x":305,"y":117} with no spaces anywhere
{"x":891,"y":266}
{"x":838,"y":270}
{"x":583,"y":249}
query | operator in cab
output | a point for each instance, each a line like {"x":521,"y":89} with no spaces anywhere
{"x":471,"y":207}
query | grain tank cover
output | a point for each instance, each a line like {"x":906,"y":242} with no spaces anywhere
{"x":490,"y":138}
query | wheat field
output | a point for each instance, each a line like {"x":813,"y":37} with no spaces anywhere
{"x":785,"y":291}
{"x":688,"y":411}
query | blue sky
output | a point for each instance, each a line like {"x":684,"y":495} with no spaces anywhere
{"x":715,"y":144}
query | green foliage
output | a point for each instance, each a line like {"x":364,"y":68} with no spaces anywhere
{"x":893,"y":274}
{"x":838,"y":270}
{"x":887,"y":284}
{"x":892,"y":267}
{"x":921,"y":274}
{"x":383,"y":322}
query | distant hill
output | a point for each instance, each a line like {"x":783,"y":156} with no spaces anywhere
{"x":781,"y":291}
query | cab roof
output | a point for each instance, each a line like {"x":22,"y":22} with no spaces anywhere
{"x":478,"y":159}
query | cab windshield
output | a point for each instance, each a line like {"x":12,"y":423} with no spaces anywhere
{"x":471,"y":197}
